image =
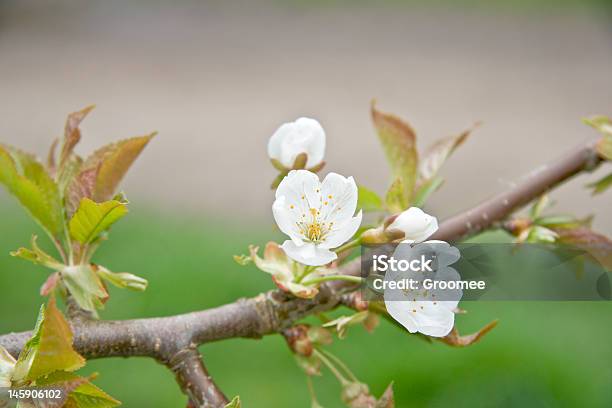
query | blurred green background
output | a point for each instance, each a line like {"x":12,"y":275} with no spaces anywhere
{"x":540,"y":355}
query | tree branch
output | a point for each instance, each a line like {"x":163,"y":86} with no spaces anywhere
{"x":497,"y":208}
{"x":195,"y":381}
{"x":173,"y":340}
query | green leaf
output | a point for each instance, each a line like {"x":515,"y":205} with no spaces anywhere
{"x":37,"y":256}
{"x":122,"y":279}
{"x":399,"y":144}
{"x":234,"y":403}
{"x":602,"y":184}
{"x":436,"y":154}
{"x":560,"y":221}
{"x":89,"y":396}
{"x":67,"y":382}
{"x":368,"y":200}
{"x":426,"y":189}
{"x":91,"y":219}
{"x":85,"y":286}
{"x":29,"y":182}
{"x":49,"y":349}
{"x":600,"y":122}
{"x":81,"y":393}
{"x":394,"y":199}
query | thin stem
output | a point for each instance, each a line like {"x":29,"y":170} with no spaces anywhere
{"x":349,"y":245}
{"x":307,"y":271}
{"x":355,"y":279}
{"x":340,"y":363}
{"x":60,"y":249}
{"x":331,"y":367}
{"x":311,"y":391}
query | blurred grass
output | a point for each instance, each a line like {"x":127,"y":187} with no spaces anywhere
{"x":540,"y":355}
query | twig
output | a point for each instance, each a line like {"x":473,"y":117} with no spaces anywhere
{"x":195,"y":381}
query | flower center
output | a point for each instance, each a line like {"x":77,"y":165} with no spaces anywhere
{"x":314,"y":230}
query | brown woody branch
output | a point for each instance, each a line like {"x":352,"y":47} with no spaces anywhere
{"x":173,"y":340}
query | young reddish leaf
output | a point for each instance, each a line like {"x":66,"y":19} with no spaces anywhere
{"x":436,"y":154}
{"x":29,"y":182}
{"x":387,"y":399}
{"x":91,"y":219}
{"x":51,"y":165}
{"x":598,"y":245}
{"x":115,"y":160}
{"x":50,"y":284}
{"x":456,"y":340}
{"x":72,"y":134}
{"x":399,"y":143}
{"x":81,"y":186}
{"x":49,"y":349}
{"x":99,"y":175}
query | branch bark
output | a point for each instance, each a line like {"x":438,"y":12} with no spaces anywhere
{"x":173,"y":340}
{"x":195,"y":381}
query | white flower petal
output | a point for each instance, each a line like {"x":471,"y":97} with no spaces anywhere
{"x":400,"y":312}
{"x":309,"y":253}
{"x":305,"y":135}
{"x":416,"y":225}
{"x":301,"y":189}
{"x":430,"y":318}
{"x":342,"y":233}
{"x":339,"y":198}
{"x":445,"y":253}
{"x":285,"y":219}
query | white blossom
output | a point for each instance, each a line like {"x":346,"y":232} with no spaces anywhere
{"x":305,"y":135}
{"x":415,"y":224}
{"x":317,"y":216}
{"x":431,"y":312}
